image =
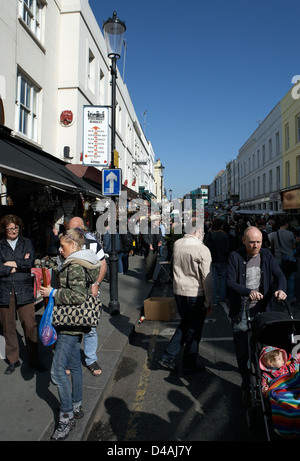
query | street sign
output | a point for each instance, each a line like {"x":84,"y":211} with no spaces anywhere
{"x":111,"y":181}
{"x":95,"y":135}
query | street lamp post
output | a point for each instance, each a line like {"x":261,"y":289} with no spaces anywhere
{"x":161,"y":172}
{"x":114,"y":30}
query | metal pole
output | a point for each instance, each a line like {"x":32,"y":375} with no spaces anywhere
{"x":114,"y":304}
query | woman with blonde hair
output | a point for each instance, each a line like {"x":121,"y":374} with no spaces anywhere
{"x":72,"y":291}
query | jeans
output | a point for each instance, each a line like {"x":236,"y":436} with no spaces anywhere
{"x":150,"y":263}
{"x":290,"y":284}
{"x":125,"y":261}
{"x":67,"y":354}
{"x":90,"y":342}
{"x":219,"y":281}
{"x":192,"y":314}
{"x":120,"y":263}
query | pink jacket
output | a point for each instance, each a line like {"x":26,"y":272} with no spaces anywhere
{"x":269,"y":374}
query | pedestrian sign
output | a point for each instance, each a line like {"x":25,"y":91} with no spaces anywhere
{"x":111,"y":181}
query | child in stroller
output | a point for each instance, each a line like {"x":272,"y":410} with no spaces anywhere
{"x":280,"y":381}
{"x":275,"y":362}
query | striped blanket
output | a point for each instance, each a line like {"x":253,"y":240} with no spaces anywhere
{"x":284,"y":396}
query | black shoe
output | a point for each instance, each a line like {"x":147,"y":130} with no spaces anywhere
{"x":168,"y":364}
{"x":78,"y":412}
{"x":11,"y":368}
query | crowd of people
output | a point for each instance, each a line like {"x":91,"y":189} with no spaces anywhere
{"x":279,"y":237}
{"x":245,"y":262}
{"x":222,"y":262}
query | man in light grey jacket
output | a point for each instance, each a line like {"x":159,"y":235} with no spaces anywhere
{"x":193,"y":289}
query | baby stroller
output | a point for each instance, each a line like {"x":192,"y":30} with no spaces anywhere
{"x":278,"y":329}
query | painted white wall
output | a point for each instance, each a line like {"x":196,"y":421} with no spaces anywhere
{"x":58,"y":64}
{"x":251,"y":169}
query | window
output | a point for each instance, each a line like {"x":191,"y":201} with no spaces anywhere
{"x":91,"y":71}
{"x":101,"y":88}
{"x":278,"y":178}
{"x":119,"y":118}
{"x":26,"y":107}
{"x":258,"y":185}
{"x":287,"y":174}
{"x":257,"y":158}
{"x":298,"y":169}
{"x":263,"y":154}
{"x":270,"y":148}
{"x":277,"y":143}
{"x":287,"y":136}
{"x":298,"y":128}
{"x":270,"y":181}
{"x":264,"y":184}
{"x":31,"y":13}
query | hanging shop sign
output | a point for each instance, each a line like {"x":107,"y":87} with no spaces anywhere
{"x":291,"y":199}
{"x":95,"y":135}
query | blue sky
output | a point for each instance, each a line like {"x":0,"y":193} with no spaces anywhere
{"x":206,"y":72}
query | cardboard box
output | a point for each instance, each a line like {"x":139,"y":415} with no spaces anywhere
{"x":163,"y":309}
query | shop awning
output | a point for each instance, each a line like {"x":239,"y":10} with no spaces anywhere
{"x":19,"y":159}
{"x":146,"y":195}
{"x":91,"y":173}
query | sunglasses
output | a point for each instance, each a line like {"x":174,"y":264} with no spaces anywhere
{"x":12,"y":229}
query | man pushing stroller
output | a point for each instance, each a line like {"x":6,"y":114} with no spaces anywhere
{"x":251,"y":272}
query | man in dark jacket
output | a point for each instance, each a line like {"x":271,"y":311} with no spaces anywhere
{"x":152,"y":240}
{"x":218,"y":243}
{"x":16,"y":291}
{"x":250,"y":274}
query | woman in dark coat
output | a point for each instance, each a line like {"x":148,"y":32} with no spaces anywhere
{"x":16,"y":291}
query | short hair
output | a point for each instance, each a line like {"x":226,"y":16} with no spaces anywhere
{"x":283,"y":222}
{"x":10,"y":218}
{"x":193,"y":225}
{"x":217,"y":224}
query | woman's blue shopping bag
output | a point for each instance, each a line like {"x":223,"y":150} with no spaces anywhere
{"x":47,"y":332}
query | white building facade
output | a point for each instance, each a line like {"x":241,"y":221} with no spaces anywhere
{"x":54,"y":62}
{"x":260,"y":166}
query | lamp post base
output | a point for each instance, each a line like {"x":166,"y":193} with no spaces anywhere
{"x":114,"y":307}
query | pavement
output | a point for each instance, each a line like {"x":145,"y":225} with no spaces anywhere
{"x":29,"y":400}
{"x":29,"y":403}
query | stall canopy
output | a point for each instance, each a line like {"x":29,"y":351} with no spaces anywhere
{"x":259,"y":212}
{"x":19,"y":159}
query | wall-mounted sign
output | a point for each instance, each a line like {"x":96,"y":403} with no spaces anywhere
{"x":95,"y":135}
{"x":66,"y":118}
